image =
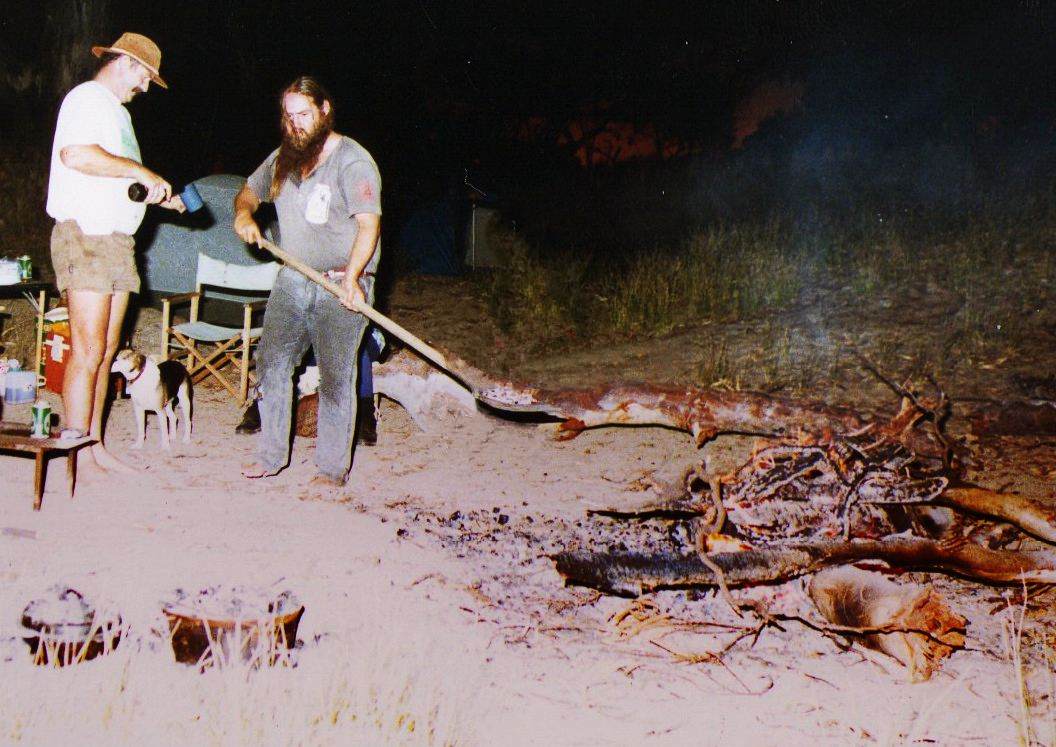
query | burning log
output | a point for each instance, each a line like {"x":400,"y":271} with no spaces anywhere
{"x":910,"y":623}
{"x":631,"y":574}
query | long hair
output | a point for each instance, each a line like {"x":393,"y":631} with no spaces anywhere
{"x":291,"y":157}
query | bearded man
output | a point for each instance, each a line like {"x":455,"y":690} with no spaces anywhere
{"x":327,"y":193}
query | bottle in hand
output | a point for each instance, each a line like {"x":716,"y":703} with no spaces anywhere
{"x":137,"y":192}
{"x":192,"y":201}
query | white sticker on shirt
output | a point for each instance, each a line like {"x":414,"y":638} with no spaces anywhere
{"x":318,"y":207}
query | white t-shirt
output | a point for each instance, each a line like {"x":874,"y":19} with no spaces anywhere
{"x":92,"y":115}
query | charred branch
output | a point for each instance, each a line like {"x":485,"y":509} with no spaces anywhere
{"x":631,"y":575}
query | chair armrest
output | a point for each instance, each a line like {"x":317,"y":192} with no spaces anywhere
{"x":167,"y":302}
{"x":180,"y":298}
{"x":166,"y":315}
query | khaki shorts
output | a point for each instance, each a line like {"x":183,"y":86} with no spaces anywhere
{"x":104,"y":264}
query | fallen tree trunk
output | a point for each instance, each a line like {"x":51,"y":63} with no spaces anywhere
{"x":702,"y":412}
{"x":706,"y":413}
{"x":632,"y":574}
{"x":910,"y":623}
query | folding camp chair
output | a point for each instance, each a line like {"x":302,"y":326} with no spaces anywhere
{"x":206,"y":348}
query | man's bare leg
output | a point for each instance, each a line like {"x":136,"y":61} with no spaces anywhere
{"x":95,"y":331}
{"x":89,"y":316}
{"x":106,"y":460}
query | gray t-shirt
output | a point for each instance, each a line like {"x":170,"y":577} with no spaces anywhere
{"x":316,"y":215}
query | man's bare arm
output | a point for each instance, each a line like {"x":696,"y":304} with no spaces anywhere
{"x":246,"y":204}
{"x":363,"y":249}
{"x":95,"y":160}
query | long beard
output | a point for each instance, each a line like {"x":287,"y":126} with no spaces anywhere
{"x":299,"y":151}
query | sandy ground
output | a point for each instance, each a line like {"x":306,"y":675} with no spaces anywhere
{"x":432,"y":612}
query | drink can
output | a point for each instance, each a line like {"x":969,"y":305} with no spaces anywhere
{"x":41,"y":419}
{"x":25,"y":267}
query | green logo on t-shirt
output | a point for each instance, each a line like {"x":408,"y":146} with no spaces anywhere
{"x":129,"y":144}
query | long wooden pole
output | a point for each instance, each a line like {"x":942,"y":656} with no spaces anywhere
{"x":370,"y":312}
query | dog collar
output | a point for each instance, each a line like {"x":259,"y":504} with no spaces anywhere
{"x":138,"y":374}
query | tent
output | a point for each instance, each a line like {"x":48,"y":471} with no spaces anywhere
{"x":171,"y":242}
{"x":454,"y":233}
{"x":427,"y":240}
{"x":483,"y":249}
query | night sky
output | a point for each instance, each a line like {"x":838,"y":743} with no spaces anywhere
{"x":433,"y":87}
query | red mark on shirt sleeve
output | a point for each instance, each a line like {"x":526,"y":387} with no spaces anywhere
{"x":366,"y":191}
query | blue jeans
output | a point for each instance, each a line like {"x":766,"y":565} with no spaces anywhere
{"x":300,"y":314}
{"x":368,"y":353}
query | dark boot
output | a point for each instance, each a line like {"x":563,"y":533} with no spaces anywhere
{"x":366,"y":424}
{"x":250,"y":421}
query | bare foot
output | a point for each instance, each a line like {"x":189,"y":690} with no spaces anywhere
{"x":88,"y":470}
{"x":110,"y":463}
{"x":326,"y":481}
{"x":322,"y":487}
{"x":325,"y":485}
{"x":253,"y":471}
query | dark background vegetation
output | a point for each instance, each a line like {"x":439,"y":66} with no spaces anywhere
{"x":917,"y":121}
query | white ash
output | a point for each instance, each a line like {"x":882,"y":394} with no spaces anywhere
{"x":231,"y":603}
{"x":59,"y":605}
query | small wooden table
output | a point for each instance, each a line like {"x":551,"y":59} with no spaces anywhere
{"x":15,"y":437}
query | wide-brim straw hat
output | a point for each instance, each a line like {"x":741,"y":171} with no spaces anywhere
{"x":139,"y":48}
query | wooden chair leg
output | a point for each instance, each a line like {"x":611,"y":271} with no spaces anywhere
{"x":166,"y":316}
{"x":243,"y":374}
{"x":198,"y":362}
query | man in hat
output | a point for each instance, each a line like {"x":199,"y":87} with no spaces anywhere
{"x":327,"y":194}
{"x":94,"y":159}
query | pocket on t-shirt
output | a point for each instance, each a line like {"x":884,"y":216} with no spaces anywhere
{"x":317,"y":210}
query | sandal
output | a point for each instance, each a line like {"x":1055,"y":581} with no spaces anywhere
{"x":72,"y":434}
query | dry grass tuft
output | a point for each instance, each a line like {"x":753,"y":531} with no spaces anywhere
{"x":343,"y":690}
